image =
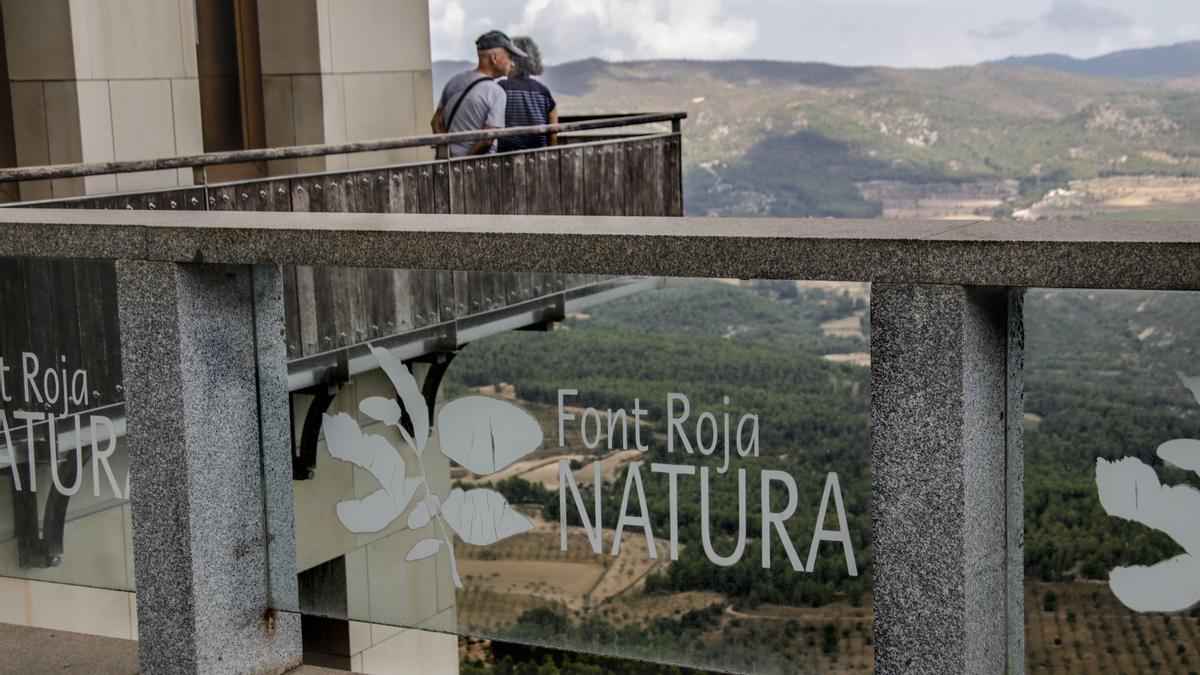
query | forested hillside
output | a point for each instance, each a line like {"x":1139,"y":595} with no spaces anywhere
{"x":1181,"y":60}
{"x":1101,"y":382}
{"x":815,"y":414}
{"x":813,"y":139}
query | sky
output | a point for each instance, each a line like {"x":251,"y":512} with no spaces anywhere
{"x":902,"y":33}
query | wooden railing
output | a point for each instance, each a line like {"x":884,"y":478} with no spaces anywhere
{"x":335,"y":308}
{"x":583,"y":123}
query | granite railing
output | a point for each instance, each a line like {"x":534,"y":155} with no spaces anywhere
{"x":200,"y":301}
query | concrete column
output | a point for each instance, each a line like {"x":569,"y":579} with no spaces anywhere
{"x":203,"y":452}
{"x":946,"y":409}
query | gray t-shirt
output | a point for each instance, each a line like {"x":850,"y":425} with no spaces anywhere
{"x":484,"y":104}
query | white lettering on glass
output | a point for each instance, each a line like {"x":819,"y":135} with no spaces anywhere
{"x":62,"y":391}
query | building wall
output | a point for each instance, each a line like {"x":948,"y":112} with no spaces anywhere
{"x":345,"y":70}
{"x":102,"y":80}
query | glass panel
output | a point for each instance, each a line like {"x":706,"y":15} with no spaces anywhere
{"x":64,"y":478}
{"x":682,"y":401}
{"x":1112,"y":412}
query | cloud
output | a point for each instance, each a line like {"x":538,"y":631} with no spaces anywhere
{"x":1072,"y":16}
{"x":451,"y":33}
{"x":1143,"y":34}
{"x":1004,"y":30}
{"x":447,"y":21}
{"x":635,"y":29}
{"x":1065,"y":16}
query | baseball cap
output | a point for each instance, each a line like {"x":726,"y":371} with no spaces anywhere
{"x":495,"y":38}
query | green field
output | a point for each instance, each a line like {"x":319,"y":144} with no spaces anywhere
{"x":1179,"y":215}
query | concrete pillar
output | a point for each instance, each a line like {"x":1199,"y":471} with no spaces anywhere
{"x":211,"y":532}
{"x":946,"y":409}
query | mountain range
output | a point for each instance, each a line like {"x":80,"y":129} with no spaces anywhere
{"x":812,"y":139}
{"x":1181,"y":60}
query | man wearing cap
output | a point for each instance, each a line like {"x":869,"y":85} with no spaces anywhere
{"x":472,"y":100}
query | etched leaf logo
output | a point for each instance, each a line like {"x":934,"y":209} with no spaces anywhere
{"x":485,"y":434}
{"x":482,"y":434}
{"x":482,"y":516}
{"x":373,"y":453}
{"x":1131,"y":490}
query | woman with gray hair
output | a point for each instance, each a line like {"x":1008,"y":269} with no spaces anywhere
{"x":529,"y":101}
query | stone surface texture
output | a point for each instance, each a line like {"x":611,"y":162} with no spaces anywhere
{"x":34,"y":651}
{"x":276,"y":434}
{"x":942,"y":388}
{"x":1071,"y":254}
{"x":188,"y":349}
{"x":1015,"y":480}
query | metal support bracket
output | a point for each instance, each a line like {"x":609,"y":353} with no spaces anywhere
{"x":330,"y":381}
{"x":304,"y":460}
{"x":40,"y":545}
{"x":438,"y":363}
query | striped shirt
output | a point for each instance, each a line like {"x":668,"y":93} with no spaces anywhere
{"x":529,"y":103}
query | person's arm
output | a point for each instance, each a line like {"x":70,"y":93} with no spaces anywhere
{"x":484,"y":145}
{"x":552,"y":118}
{"x":438,"y":123}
